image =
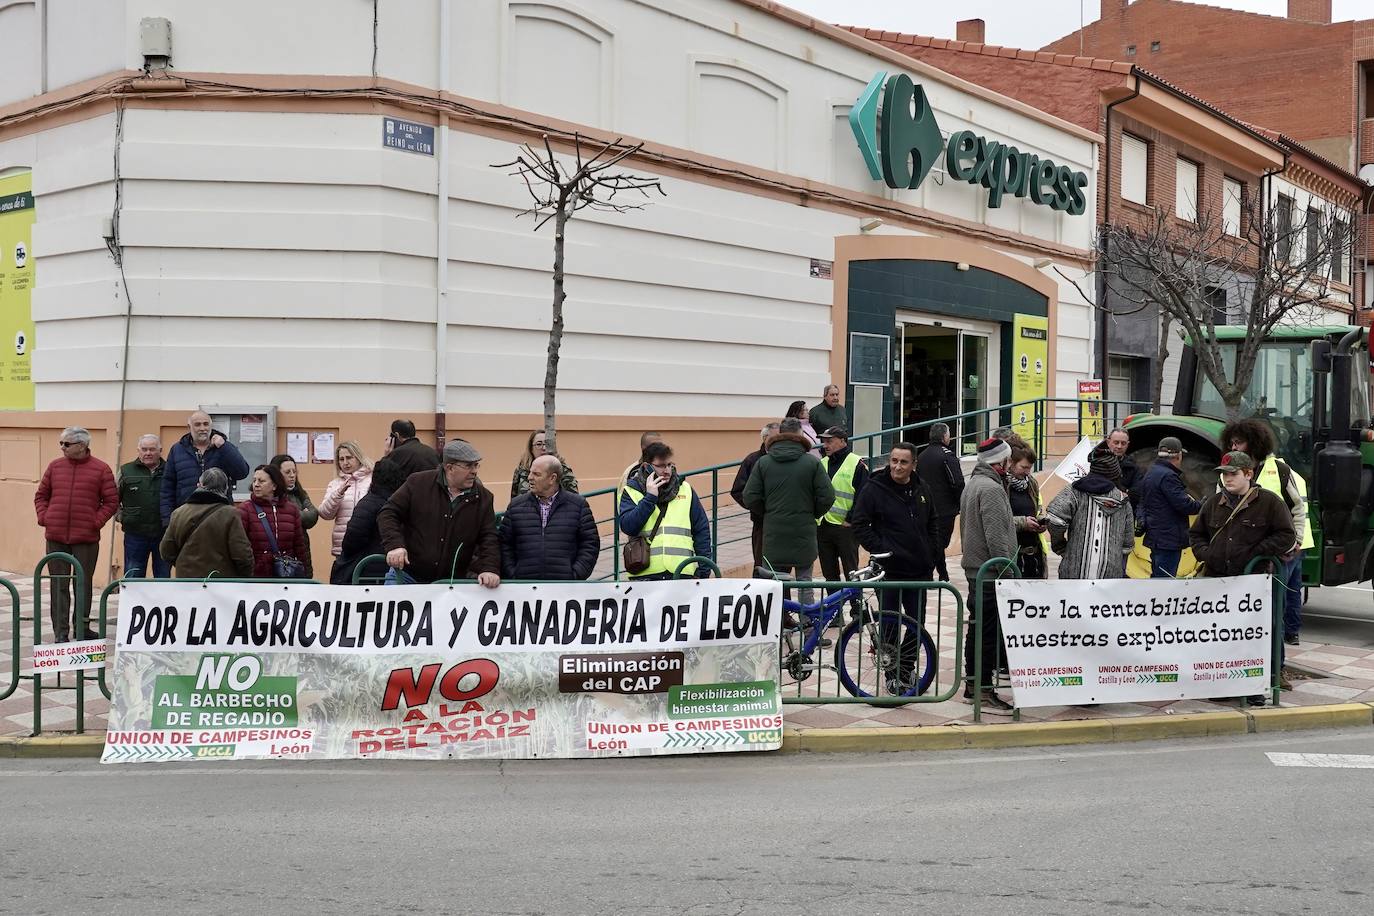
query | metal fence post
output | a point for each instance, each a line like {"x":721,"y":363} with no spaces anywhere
{"x":78,"y":577}
{"x":976,"y":618}
{"x":14,"y":637}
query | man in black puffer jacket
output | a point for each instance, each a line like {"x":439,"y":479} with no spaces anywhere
{"x":548,"y":533}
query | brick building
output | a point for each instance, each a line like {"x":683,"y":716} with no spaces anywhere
{"x":1302,"y":74}
{"x":1309,"y":77}
{"x":1166,"y":148}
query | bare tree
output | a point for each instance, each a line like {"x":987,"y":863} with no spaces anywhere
{"x":559,"y":189}
{"x":1279,"y":262}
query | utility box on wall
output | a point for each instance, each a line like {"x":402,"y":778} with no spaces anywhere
{"x":253,"y":430}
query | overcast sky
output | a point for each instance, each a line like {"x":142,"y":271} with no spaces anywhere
{"x":1014,"y":23}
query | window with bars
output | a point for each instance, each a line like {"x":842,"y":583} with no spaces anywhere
{"x":1283,"y":222}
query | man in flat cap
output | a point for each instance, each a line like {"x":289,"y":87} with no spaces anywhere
{"x":441,"y":524}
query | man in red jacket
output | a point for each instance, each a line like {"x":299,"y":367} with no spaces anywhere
{"x":75,"y":498}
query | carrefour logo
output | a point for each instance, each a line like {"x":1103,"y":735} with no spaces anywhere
{"x":901,"y":142}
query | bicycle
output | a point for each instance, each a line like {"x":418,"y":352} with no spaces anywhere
{"x":901,"y":654}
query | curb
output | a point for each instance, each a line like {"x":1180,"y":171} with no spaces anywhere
{"x":938,"y":737}
{"x":1083,"y":731}
{"x":53,"y":746}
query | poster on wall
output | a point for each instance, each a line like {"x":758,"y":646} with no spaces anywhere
{"x":1029,"y":370}
{"x":1090,"y":408}
{"x":16,"y":292}
{"x":243,"y":671}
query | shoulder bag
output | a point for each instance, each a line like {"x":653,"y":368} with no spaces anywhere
{"x":635,"y":554}
{"x":284,"y":566}
{"x":1244,"y":501}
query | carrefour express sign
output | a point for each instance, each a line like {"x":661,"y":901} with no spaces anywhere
{"x":902,"y":142}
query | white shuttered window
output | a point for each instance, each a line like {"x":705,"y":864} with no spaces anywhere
{"x":1230,"y":206}
{"x":1185,"y":190}
{"x":1135,"y":154}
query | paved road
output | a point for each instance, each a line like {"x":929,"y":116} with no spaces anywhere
{"x":1341,"y":616}
{"x":1179,"y":827}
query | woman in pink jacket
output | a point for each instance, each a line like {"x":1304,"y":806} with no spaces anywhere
{"x":347,"y":490}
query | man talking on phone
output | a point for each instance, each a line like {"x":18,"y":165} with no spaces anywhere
{"x":659,"y":505}
{"x":407,"y":451}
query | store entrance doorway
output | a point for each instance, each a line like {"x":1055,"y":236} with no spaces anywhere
{"x":947,"y":369}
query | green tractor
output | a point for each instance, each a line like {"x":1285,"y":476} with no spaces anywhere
{"x":1311,"y":385}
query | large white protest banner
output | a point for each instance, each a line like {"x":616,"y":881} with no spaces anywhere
{"x":1133,"y":640}
{"x":258,"y":670}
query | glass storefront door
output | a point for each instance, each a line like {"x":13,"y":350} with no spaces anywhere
{"x":948,"y":368}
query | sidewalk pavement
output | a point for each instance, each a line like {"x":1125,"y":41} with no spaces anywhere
{"x":1341,"y":675}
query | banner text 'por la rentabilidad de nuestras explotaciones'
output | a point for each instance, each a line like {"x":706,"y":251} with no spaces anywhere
{"x":324,"y":619}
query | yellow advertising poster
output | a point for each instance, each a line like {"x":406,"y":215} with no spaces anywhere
{"x":16,"y":291}
{"x":1029,"y":370}
{"x":1090,"y":409}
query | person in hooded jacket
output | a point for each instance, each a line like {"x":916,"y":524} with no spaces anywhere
{"x":1092,"y":526}
{"x":655,"y":492}
{"x":363,"y":538}
{"x":346,"y":490}
{"x":206,"y":536}
{"x":790,"y":486}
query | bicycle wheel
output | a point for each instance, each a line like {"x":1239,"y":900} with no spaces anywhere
{"x":891,"y":655}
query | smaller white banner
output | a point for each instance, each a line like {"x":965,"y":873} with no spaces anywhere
{"x":68,"y":656}
{"x":1075,"y":463}
{"x":1087,"y":641}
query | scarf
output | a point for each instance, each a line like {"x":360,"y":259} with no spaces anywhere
{"x":1019,"y":484}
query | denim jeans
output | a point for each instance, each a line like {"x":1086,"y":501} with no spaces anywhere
{"x":1292,"y":605}
{"x":1164,"y":563}
{"x":138,"y":550}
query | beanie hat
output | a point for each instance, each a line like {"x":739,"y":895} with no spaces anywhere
{"x":993,"y":451}
{"x":1105,"y":464}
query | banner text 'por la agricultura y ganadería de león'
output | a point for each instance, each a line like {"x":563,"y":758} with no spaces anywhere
{"x":266,"y":670}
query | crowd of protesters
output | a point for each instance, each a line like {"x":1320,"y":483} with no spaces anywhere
{"x":808,"y":495}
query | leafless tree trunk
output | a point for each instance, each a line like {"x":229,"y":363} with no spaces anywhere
{"x":1157,"y":396}
{"x":559,"y":190}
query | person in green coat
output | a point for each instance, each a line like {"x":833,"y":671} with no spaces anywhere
{"x":790,"y":487}
{"x":140,"y":487}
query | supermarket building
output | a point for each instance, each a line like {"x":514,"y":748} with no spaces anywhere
{"x":238,"y":228}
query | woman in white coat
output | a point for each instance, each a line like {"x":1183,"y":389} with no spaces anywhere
{"x":346,"y":490}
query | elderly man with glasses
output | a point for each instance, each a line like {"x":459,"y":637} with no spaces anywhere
{"x":75,"y":498}
{"x":441,"y":524}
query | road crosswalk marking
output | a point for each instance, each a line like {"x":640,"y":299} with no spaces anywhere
{"x":1343,"y":761}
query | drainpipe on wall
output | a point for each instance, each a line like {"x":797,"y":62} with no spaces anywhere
{"x":441,"y":244}
{"x":1101,"y":324}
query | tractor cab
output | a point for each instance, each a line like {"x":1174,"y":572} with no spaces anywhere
{"x":1311,"y":385}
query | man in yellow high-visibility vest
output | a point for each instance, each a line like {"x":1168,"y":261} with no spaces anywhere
{"x":659,"y":504}
{"x":838,"y":547}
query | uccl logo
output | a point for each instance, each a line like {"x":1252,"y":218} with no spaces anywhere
{"x":901,"y":142}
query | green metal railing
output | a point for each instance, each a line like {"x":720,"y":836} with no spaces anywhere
{"x":1043,"y":415}
{"x":77,"y":578}
{"x":1002,"y":565}
{"x":999,"y":567}
{"x":935,"y":693}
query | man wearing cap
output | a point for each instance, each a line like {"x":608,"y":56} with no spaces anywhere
{"x":986,"y":531}
{"x":1240,"y":521}
{"x":838,"y":548}
{"x":1165,"y":507}
{"x":441,"y":524}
